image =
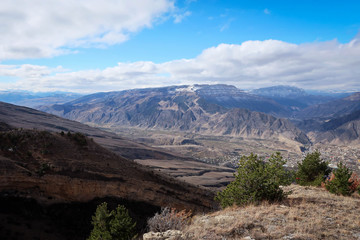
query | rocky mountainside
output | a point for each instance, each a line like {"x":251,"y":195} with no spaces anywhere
{"x":342,"y":130}
{"x":208,"y":109}
{"x":335,"y":122}
{"x":231,"y":97}
{"x":332,"y":109}
{"x":295,"y":99}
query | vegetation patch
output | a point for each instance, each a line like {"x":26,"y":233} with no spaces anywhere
{"x":116,"y":224}
{"x":169,"y":219}
{"x":256,"y":181}
{"x":312,"y":171}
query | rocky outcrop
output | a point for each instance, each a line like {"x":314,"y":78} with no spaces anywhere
{"x":168,"y":235}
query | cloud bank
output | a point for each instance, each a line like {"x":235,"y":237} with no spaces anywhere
{"x":252,"y":64}
{"x":46,"y":28}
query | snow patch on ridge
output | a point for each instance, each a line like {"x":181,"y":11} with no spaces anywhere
{"x":190,"y":88}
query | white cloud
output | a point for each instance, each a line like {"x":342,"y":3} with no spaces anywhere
{"x":39,"y":28}
{"x":180,"y":16}
{"x":322,"y":65}
{"x":267,"y":11}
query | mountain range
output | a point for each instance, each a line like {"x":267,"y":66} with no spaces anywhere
{"x":204,"y":109}
{"x":279,"y":112}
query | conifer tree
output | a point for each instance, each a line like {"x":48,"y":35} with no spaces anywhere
{"x":114,"y":225}
{"x":256,"y":181}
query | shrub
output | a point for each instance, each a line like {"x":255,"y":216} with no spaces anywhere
{"x":312,"y":170}
{"x":256,"y":181}
{"x":340,"y":182}
{"x":116,"y":224}
{"x":169,"y":219}
{"x":355,"y":182}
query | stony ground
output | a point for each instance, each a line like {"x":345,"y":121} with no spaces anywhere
{"x":308,"y":213}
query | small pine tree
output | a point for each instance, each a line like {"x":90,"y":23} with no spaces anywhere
{"x":116,"y":224}
{"x":341,"y":183}
{"x":256,"y":181}
{"x":312,"y":170}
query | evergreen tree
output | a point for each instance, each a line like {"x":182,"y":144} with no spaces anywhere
{"x":114,"y":225}
{"x":312,"y":170}
{"x":341,"y":183}
{"x":256,"y":181}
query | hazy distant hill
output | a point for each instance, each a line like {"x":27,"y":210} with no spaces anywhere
{"x":32,"y":99}
{"x":210,"y":109}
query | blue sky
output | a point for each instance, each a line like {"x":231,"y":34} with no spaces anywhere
{"x":124,"y":44}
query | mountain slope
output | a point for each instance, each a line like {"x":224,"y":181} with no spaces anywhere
{"x":342,"y":130}
{"x":23,"y":117}
{"x":71,"y":167}
{"x":333,"y":109}
{"x":210,"y":109}
{"x":48,"y":180}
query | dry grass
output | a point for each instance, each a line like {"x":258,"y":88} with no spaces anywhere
{"x":308,"y":213}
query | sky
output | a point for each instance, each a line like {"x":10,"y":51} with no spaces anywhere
{"x":89,"y":46}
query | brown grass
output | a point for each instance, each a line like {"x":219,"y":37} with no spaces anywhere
{"x":308,"y":213}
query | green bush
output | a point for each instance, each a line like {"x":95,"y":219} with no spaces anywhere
{"x":256,"y":181}
{"x":340,"y":183}
{"x":312,"y":170}
{"x":116,"y":224}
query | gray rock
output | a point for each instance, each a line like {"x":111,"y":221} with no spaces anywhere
{"x":168,"y":235}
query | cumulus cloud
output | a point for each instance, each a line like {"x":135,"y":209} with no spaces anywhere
{"x":38,"y":28}
{"x":252,"y":64}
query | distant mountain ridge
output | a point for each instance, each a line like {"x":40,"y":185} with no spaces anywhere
{"x":295,"y":99}
{"x":33,"y":99}
{"x":280,"y":91}
{"x":335,"y":108}
{"x":209,"y":109}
